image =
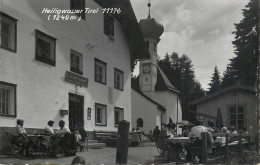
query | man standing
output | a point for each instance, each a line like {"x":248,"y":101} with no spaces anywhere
{"x":156,"y":133}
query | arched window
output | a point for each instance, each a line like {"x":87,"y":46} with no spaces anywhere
{"x":140,"y":122}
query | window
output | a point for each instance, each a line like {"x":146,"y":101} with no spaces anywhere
{"x":118,"y":79}
{"x":78,"y":5}
{"x":8,"y":32}
{"x":119,"y":115}
{"x":109,"y":25}
{"x":7,"y":99}
{"x":100,"y":71}
{"x":76,"y":62}
{"x":45,"y":48}
{"x":237,"y":116}
{"x":101,"y":114}
{"x":140,"y":122}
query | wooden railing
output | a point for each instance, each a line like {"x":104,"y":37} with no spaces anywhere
{"x":227,"y":145}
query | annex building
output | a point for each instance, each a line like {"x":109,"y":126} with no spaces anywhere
{"x":231,"y":106}
{"x":76,"y":70}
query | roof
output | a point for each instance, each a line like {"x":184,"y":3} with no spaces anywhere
{"x":163,"y":83}
{"x":130,"y":26}
{"x":223,"y":91}
{"x":159,"y":106}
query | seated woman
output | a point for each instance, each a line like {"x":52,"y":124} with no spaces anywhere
{"x":48,"y":129}
{"x":134,"y":138}
{"x":20,"y":135}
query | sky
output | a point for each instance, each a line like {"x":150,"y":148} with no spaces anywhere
{"x":201,"y":29}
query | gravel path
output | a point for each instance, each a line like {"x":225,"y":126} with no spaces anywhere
{"x":136,"y":155}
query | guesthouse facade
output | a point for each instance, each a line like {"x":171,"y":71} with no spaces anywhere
{"x":73,"y":67}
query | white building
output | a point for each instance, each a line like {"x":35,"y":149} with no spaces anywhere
{"x":153,"y":84}
{"x":71,"y":67}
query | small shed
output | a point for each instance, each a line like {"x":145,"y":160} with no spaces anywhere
{"x":236,"y":105}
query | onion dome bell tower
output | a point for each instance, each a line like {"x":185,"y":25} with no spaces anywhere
{"x":152,"y":30}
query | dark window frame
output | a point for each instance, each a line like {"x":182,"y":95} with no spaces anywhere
{"x":235,"y":107}
{"x":15,"y":99}
{"x":120,"y":71}
{"x":140,"y":120}
{"x":121,"y":109}
{"x":75,"y":70}
{"x":99,"y":124}
{"x":38,"y":57}
{"x":15,"y":32}
{"x":105,"y":64}
{"x":78,"y":5}
{"x":109,"y":26}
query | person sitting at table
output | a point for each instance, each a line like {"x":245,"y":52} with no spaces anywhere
{"x":63,"y":129}
{"x":233,"y":130}
{"x":134,"y":138}
{"x":195,"y":133}
{"x":224,"y":130}
{"x":48,"y":129}
{"x":186,"y":131}
{"x":170,"y":130}
{"x":20,"y":133}
{"x":211,"y":126}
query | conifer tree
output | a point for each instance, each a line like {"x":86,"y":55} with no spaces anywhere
{"x":215,"y":82}
{"x":243,"y":66}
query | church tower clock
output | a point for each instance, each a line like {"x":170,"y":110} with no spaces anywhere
{"x":152,"y":30}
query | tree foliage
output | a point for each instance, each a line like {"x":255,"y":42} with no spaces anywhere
{"x":215,"y":82}
{"x":243,"y":66}
{"x":180,"y":72}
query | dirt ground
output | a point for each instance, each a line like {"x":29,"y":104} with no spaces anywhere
{"x":136,"y":155}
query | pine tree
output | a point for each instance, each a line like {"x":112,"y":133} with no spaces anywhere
{"x":243,"y":67}
{"x":180,"y":72}
{"x":215,"y":82}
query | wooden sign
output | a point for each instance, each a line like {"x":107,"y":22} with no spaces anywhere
{"x":76,"y":79}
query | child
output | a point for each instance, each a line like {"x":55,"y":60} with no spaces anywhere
{"x":78,"y":138}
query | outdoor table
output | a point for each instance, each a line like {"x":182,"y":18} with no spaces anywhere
{"x":178,"y":140}
{"x":178,"y":149}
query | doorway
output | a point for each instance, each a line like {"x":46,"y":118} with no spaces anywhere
{"x":76,"y":111}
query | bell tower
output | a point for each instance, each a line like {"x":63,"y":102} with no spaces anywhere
{"x":152,"y":30}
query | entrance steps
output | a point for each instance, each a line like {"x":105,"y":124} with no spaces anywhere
{"x":94,"y":144}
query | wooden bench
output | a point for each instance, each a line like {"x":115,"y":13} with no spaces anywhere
{"x":108,"y":137}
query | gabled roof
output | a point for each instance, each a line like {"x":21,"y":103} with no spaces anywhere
{"x":129,"y":25}
{"x":163,"y":83}
{"x":159,"y":106}
{"x":223,"y":91}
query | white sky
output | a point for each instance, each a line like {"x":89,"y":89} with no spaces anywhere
{"x":200,"y":29}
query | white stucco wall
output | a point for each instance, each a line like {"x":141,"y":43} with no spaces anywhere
{"x":148,"y":111}
{"x":172,"y":104}
{"x":41,"y":89}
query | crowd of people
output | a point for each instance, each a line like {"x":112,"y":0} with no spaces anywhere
{"x":20,"y":135}
{"x":194,"y":132}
